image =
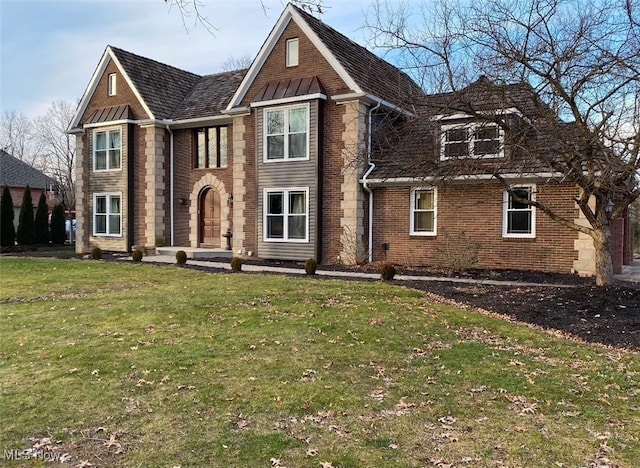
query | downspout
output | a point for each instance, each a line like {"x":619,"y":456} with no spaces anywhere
{"x":171,"y":183}
{"x":372,"y":166}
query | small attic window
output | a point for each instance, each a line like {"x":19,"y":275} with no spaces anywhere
{"x":111,"y":87}
{"x":292,"y":52}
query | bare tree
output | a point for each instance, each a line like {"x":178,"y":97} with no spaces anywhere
{"x":194,"y":10}
{"x":237,"y":63}
{"x":579,"y":63}
{"x":58,"y":154}
{"x":17,"y":137}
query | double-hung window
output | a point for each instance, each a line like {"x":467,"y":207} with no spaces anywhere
{"x":423,"y":212}
{"x":286,"y":133}
{"x":211,"y":147}
{"x":286,"y":215}
{"x":473,"y":140}
{"x":107,"y":214}
{"x":107,"y":150}
{"x":519,"y":219}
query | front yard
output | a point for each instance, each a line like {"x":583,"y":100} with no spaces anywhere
{"x":108,"y":364}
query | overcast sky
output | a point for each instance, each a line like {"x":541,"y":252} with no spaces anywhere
{"x":50,"y":48}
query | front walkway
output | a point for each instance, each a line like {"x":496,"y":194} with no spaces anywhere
{"x":342,"y":274}
{"x":630,"y":273}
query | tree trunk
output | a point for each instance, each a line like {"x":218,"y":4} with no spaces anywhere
{"x":604,"y":264}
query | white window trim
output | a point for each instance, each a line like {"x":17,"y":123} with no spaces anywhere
{"x":505,"y":211}
{"x":93,"y":214}
{"x":112,"y":88}
{"x":289,"y":62}
{"x":285,"y":192}
{"x":412,"y":231}
{"x":93,"y":148}
{"x":471,"y":126}
{"x":265,"y":146}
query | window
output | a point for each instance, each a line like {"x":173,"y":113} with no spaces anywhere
{"x":292,"y":53}
{"x":111,"y":86}
{"x":471,"y":140}
{"x":107,"y":214}
{"x":519,"y":219}
{"x":423,"y":212}
{"x":286,"y":215}
{"x":286,"y":133}
{"x":106,"y":150}
{"x":211,"y":147}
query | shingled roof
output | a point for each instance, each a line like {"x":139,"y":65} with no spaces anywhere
{"x":373,"y":74}
{"x":162,"y":87}
{"x":209,"y":96}
{"x":16,"y":173}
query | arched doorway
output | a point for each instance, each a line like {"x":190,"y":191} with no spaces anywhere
{"x":209,"y":230}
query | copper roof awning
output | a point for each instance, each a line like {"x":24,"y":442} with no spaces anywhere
{"x":289,"y":88}
{"x":108,"y":114}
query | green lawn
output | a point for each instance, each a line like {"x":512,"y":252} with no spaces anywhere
{"x":138,"y":365}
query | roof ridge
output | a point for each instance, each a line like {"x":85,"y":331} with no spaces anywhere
{"x":118,"y":49}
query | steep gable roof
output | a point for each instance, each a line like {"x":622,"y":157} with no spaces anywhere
{"x":209,"y":96}
{"x":162,"y":87}
{"x":16,"y":173}
{"x":362,"y":71}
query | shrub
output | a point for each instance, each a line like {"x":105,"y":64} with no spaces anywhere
{"x":58,"y":232}
{"x":310,"y":266}
{"x":7,"y":229}
{"x":41,"y":222}
{"x":96,"y":253}
{"x":387,"y":271}
{"x":457,"y":254}
{"x":236,"y":264}
{"x":26,"y":229}
{"x":136,"y":255}
{"x":181,"y":257}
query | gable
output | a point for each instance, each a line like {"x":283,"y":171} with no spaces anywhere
{"x":312,"y":63}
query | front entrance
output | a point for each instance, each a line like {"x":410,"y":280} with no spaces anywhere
{"x":209,"y":232}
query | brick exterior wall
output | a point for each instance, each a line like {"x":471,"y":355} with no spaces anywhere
{"x":476,"y":210}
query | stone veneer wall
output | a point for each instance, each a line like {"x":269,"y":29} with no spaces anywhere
{"x":585,"y":265}
{"x":154,"y":185}
{"x":352,"y":202}
{"x":208,"y":180}
{"x":239,"y":188}
{"x":82,"y":171}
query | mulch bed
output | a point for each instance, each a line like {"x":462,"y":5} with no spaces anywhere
{"x":606,"y":315}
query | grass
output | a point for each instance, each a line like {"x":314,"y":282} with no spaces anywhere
{"x":136,"y":365}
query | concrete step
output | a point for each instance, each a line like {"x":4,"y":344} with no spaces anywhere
{"x":195,"y":253}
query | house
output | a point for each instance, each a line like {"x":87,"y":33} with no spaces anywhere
{"x":279,"y":156}
{"x":17,"y":175}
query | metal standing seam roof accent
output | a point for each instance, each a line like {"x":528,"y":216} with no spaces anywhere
{"x":289,"y":88}
{"x":108,"y":114}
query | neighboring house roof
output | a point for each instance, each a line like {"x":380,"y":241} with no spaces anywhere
{"x":16,"y":173}
{"x":361,"y":70}
{"x":162,"y":87}
{"x":209,"y":96}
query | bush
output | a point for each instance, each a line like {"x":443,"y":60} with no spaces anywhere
{"x":387,"y":271}
{"x":310,"y":266}
{"x":181,"y":257}
{"x":236,"y":264}
{"x":136,"y":255}
{"x":457,"y":254}
{"x":58,"y":232}
{"x":41,"y":222}
{"x":96,"y":253}
{"x":26,"y":228}
{"x":7,"y":229}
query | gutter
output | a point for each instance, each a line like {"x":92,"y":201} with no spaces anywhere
{"x":372,"y":166}
{"x":171,"y":184}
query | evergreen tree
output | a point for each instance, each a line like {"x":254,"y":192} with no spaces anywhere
{"x":26,"y":231}
{"x":58,"y":233}
{"x":7,"y":229}
{"x":41,"y":223}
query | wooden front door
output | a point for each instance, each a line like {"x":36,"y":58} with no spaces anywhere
{"x":210,"y":218}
